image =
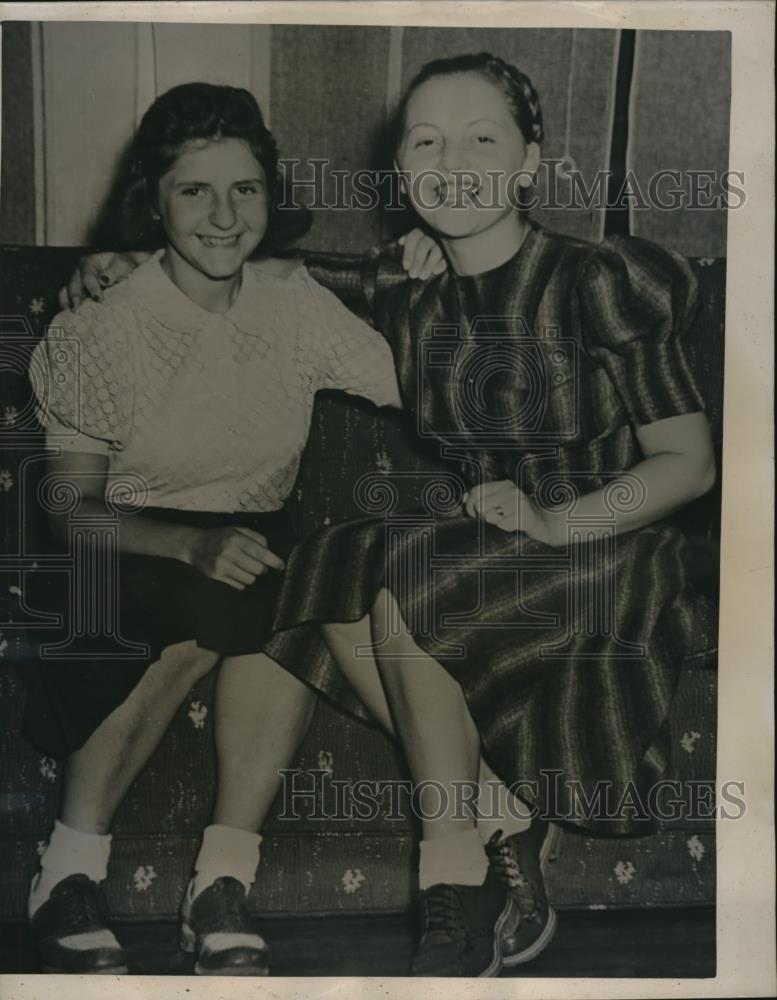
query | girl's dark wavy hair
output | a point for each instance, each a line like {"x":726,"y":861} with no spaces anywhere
{"x":187,"y":113}
{"x":516,"y":86}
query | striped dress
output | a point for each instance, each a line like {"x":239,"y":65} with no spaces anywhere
{"x":538,"y":371}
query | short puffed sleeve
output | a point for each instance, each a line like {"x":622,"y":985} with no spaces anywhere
{"x":639,"y":306}
{"x":81,"y":376}
{"x":346,"y":352}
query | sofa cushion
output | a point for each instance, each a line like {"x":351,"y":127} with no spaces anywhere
{"x":319,"y":864}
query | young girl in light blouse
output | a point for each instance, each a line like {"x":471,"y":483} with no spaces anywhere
{"x":188,"y":389}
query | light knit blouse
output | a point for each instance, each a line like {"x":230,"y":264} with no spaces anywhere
{"x":212,"y":410}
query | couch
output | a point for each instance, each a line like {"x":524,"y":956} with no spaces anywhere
{"x":312,"y":865}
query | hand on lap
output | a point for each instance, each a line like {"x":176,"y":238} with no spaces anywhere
{"x":507,"y":507}
{"x":235,"y":556}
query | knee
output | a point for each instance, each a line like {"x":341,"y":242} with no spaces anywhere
{"x":344,"y":640}
{"x":336,"y":631}
{"x":259,"y":679}
{"x":400,"y":671}
{"x":291,"y":702}
{"x":396,"y":648}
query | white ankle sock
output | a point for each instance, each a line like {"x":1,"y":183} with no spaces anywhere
{"x":457,"y":859}
{"x":226,"y":850}
{"x":499,"y":809}
{"x":69,"y":852}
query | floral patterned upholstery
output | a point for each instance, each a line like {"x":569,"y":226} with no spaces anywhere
{"x":312,"y":864}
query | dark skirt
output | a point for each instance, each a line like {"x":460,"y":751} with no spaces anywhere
{"x":161,"y":602}
{"x":568,"y":664}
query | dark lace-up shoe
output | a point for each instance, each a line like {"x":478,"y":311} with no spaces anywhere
{"x":460,"y":929}
{"x":217,"y":926}
{"x":72,"y":934}
{"x":515,"y":862}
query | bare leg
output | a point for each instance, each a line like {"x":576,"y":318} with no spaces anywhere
{"x":97,"y":778}
{"x":343,"y":639}
{"x":262,"y":714}
{"x":99,"y":775}
{"x":432,"y":720}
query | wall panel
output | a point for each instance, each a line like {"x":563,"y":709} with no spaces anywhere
{"x":17,"y":209}
{"x":260,"y":44}
{"x":210,"y":53}
{"x":326,"y":92}
{"x":329,"y":102}
{"x":89,"y":117}
{"x":679,"y":121}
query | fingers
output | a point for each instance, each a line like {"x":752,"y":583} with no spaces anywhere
{"x":235,"y":578}
{"x":235,"y":556}
{"x":422,"y":257}
{"x":259,"y":551}
{"x":475,"y":499}
{"x":84,"y":281}
{"x":73,"y":293}
{"x":486,"y":497}
{"x":91,"y":270}
{"x":272,"y":561}
{"x":434,"y":261}
{"x":95,"y":273}
{"x":250,"y":533}
{"x":504,"y":505}
{"x":256,"y":562}
{"x":115,"y":269}
{"x":409,"y":243}
{"x":500,"y":520}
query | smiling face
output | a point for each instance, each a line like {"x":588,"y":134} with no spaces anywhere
{"x":214,"y":208}
{"x":462,"y":153}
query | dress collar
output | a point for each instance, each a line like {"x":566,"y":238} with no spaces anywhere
{"x":175,"y":310}
{"x":534,"y":233}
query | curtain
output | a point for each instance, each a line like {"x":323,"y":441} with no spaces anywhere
{"x":679,"y":121}
{"x":327,"y":93}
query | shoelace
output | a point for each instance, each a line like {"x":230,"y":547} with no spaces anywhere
{"x":507,"y":865}
{"x":80,"y":910}
{"x":442,"y":910}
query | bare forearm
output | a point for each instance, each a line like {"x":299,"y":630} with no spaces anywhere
{"x":137,"y":534}
{"x":653,"y":489}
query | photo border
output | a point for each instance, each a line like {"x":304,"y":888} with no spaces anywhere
{"x":745,"y":849}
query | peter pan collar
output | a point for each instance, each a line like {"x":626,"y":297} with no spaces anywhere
{"x":175,"y":310}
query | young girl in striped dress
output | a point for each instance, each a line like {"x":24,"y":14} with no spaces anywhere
{"x":546,"y":628}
